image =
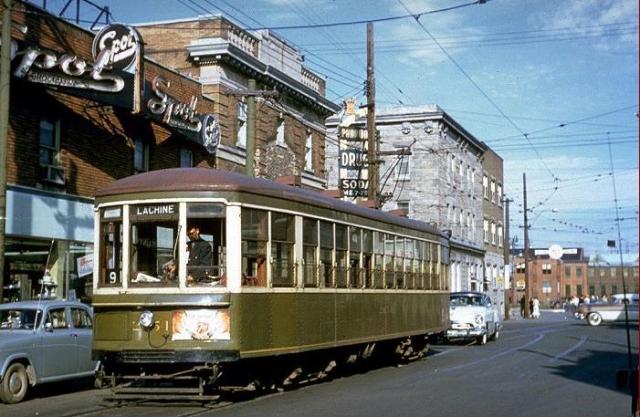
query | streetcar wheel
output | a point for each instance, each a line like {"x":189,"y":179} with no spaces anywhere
{"x":14,"y":384}
{"x":594,"y":319}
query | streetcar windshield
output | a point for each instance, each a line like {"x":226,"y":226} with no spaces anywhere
{"x":154,"y":251}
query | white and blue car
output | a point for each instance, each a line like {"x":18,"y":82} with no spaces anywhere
{"x":43,"y":341}
{"x":473,"y":316}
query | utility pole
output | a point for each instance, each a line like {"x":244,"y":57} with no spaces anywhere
{"x":505,"y":240}
{"x":372,"y":139}
{"x":250,"y":162}
{"x":527,"y":290}
{"x":5,"y":79}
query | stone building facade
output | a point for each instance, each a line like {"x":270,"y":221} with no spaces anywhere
{"x":439,"y":182}
{"x":290,"y":131}
{"x":493,"y":220}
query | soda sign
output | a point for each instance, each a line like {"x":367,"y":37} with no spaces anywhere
{"x":354,"y":187}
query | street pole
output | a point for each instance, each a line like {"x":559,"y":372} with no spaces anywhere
{"x":505,"y":241}
{"x":251,"y":131}
{"x":5,"y":78}
{"x":372,"y":139}
{"x":527,"y":290}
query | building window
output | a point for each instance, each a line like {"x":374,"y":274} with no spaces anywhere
{"x":461,"y":218}
{"x":500,"y":236}
{"x":404,"y":205}
{"x":403,"y":168}
{"x":486,"y":230}
{"x":473,"y":180}
{"x":280,"y":133}
{"x":520,"y":268}
{"x":241,"y":121}
{"x":453,"y":164}
{"x":308,"y":153}
{"x":485,"y":186}
{"x":141,"y":156}
{"x":499,"y":194}
{"x":493,"y":233}
{"x":578,"y":271}
{"x":567,"y":271}
{"x":493,"y":191}
{"x":473,"y":227}
{"x":49,"y":141}
{"x":469,"y":235}
{"x":546,"y":268}
{"x":186,"y":158}
{"x":460,"y":170}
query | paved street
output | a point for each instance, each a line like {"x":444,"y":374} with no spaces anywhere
{"x":548,"y":367}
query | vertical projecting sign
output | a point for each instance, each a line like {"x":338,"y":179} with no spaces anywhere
{"x":354,"y":168}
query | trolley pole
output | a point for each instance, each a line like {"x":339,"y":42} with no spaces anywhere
{"x":5,"y":79}
{"x":372,"y":139}
{"x":527,"y":289}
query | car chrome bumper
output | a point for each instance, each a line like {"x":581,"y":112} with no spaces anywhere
{"x":465,"y":333}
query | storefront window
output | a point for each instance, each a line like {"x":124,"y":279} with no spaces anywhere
{"x":47,"y":269}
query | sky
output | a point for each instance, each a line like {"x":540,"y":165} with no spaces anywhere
{"x":550,"y":85}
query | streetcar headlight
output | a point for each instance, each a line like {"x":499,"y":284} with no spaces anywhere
{"x":479,"y":319}
{"x":146,"y":320}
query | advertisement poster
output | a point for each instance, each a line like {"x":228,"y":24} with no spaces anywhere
{"x":85,"y":265}
{"x":200,"y":325}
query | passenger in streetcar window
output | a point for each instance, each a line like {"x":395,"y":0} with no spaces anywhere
{"x":200,"y":256}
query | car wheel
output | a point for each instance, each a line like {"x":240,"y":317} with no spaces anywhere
{"x":496,"y":334}
{"x":14,"y":384}
{"x":594,"y":319}
{"x":482,"y":340}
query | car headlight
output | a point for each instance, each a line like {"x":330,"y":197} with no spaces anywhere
{"x":479,"y":318}
{"x":146,"y":320}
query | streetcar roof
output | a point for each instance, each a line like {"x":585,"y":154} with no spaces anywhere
{"x":208,"y":180}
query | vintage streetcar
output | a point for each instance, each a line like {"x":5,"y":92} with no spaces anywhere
{"x":209,"y":281}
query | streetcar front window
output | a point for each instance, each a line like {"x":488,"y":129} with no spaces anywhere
{"x":206,"y":244}
{"x":110,"y":273}
{"x":154,"y":245}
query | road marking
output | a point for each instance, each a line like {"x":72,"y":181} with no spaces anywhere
{"x":583,"y":339}
{"x":506,"y":352}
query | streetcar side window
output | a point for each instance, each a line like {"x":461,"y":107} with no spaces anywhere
{"x":409,"y":253}
{"x":255,"y":235}
{"x":378,"y":249}
{"x":110,"y":273}
{"x":206,"y":245}
{"x":435,"y":268}
{"x":282,"y":240}
{"x":399,"y":272}
{"x":389,"y":251}
{"x":341,"y":255}
{"x":326,"y":254}
{"x":355,"y":246}
{"x":367,"y":258}
{"x":154,"y":245}
{"x":309,"y":252}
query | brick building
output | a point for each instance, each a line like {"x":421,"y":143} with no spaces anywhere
{"x":552,"y":280}
{"x":290,"y":137}
{"x":83,"y":114}
{"x":605,"y":275}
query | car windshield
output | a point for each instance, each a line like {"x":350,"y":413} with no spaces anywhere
{"x":23,"y":318}
{"x":464,"y":300}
